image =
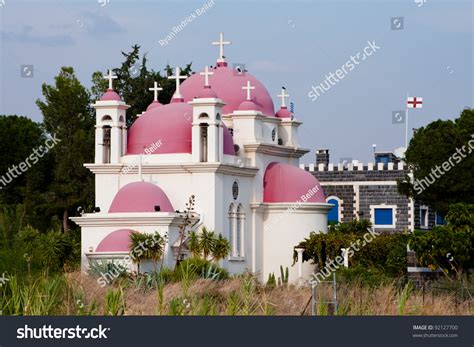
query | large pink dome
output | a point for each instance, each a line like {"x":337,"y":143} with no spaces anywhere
{"x":288,"y":183}
{"x":227,"y":83}
{"x":172,"y":125}
{"x":140,"y":197}
{"x":116,"y":241}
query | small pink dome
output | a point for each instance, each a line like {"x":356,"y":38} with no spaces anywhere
{"x":248,"y":105}
{"x":116,"y":241}
{"x":288,"y":183}
{"x":227,"y":83}
{"x":207,"y":92}
{"x":172,"y":124}
{"x":110,"y":94}
{"x":283,"y":113}
{"x":140,"y":197}
{"x":153,"y":105}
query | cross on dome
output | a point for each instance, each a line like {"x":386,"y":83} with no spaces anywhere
{"x":206,"y":75}
{"x":177,"y":77}
{"x":221,"y":43}
{"x":283,"y":96}
{"x":248,"y":87}
{"x":155,"y":90}
{"x":110,"y":77}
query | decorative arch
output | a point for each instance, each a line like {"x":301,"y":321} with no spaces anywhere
{"x":106,"y":118}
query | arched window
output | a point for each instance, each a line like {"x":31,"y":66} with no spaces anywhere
{"x":203,"y":141}
{"x":240,"y":231}
{"x":106,"y":144}
{"x":232,"y":230}
{"x":334,"y":214}
{"x":106,"y":118}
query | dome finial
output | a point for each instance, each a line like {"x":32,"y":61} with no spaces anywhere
{"x":206,"y":75}
{"x":283,"y":96}
{"x":248,"y":87}
{"x":156,"y":88}
{"x":221,"y":43}
{"x":177,"y":77}
{"x":110,"y":77}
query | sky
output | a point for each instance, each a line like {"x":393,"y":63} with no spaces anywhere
{"x":291,"y":43}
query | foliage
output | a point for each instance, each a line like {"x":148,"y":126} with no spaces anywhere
{"x":449,"y":247}
{"x":430,"y":147}
{"x":355,"y":226}
{"x":144,"y":246}
{"x":115,"y":304}
{"x":68,"y":117}
{"x":284,"y":276}
{"x":201,"y":268}
{"x":19,"y":138}
{"x":39,"y":296}
{"x":271,"y":282}
{"x":134,"y":79}
{"x":208,"y":245}
{"x":385,"y":251}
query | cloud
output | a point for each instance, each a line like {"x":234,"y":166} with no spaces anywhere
{"x":100,"y":24}
{"x":28,"y":35}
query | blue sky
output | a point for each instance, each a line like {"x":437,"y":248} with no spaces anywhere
{"x":290,"y":43}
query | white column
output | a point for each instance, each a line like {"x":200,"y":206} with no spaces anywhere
{"x":115,"y":144}
{"x":300,"y":264}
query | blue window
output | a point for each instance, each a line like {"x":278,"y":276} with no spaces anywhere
{"x":383,"y":216}
{"x":440,"y":219}
{"x":333,"y":215}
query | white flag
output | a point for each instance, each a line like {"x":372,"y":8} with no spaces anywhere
{"x":414,"y":102}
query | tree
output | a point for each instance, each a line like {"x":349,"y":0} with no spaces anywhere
{"x":433,"y":146}
{"x":134,"y":79}
{"x":221,"y":248}
{"x":449,"y":247}
{"x":68,"y":117}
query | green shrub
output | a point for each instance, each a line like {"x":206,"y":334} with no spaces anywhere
{"x":201,"y":268}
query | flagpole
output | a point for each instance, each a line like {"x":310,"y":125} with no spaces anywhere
{"x":406,"y":122}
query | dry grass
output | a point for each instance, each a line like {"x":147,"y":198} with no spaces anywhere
{"x":233,"y":297}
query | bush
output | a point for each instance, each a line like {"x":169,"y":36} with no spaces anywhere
{"x":201,"y":268}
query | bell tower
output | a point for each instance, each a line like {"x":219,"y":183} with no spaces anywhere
{"x":111,"y":127}
{"x":208,"y":129}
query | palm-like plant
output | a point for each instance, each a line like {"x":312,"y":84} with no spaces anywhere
{"x":221,"y":248}
{"x":138,"y":254}
{"x":206,"y":242}
{"x":193,"y":244}
{"x":155,"y":246}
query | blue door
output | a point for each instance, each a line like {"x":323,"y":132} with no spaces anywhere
{"x":333,"y":215}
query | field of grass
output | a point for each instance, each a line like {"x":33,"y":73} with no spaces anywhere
{"x":78,"y":294}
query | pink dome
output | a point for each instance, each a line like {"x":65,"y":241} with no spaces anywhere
{"x":283,"y":113}
{"x":110,"y":94}
{"x":288,"y":183}
{"x":207,"y":92}
{"x":153,"y":105}
{"x":248,"y":105}
{"x":227,"y":84}
{"x":172,"y":124}
{"x":140,"y":197}
{"x":116,"y":241}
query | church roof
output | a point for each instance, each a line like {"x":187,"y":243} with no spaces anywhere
{"x":172,"y":124}
{"x":288,"y":183}
{"x":227,"y":83}
{"x":140,"y":197}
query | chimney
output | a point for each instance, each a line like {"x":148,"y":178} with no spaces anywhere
{"x":322,"y":156}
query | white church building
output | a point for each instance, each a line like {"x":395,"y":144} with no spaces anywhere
{"x":220,"y":140}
